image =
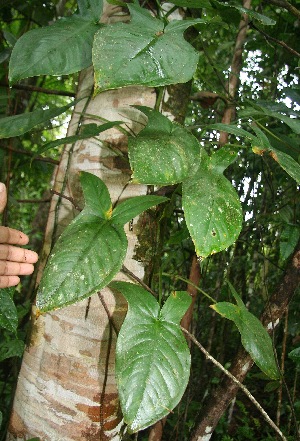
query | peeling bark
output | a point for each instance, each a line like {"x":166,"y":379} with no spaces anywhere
{"x":220,"y":399}
{"x":66,"y":388}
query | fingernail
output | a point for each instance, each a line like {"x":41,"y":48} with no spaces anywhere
{"x":2,"y":187}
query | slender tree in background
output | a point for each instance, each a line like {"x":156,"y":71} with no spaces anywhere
{"x":246,"y":88}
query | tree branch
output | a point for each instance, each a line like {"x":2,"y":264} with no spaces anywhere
{"x":26,"y":153}
{"x":242,"y":363}
{"x":29,"y":88}
{"x":279,"y":42}
{"x":236,"y":381}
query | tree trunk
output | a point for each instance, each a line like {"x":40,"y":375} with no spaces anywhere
{"x":66,"y":388}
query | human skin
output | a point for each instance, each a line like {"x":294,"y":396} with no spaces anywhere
{"x":14,"y":261}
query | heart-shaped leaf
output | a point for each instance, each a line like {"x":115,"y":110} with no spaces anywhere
{"x":145,"y":52}
{"x":212,"y":207}
{"x":163,"y":152}
{"x":63,"y":48}
{"x":90,"y":251}
{"x":255,"y":338}
{"x":8,"y":311}
{"x":152,"y":356}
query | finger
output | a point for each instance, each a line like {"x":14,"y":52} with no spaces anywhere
{"x":7,"y":281}
{"x":14,"y":254}
{"x":14,"y":237}
{"x":15,"y":268}
{"x":3,"y":197}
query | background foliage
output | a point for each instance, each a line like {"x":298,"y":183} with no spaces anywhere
{"x":267,"y":106}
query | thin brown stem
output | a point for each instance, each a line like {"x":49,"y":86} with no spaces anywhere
{"x":275,"y":40}
{"x":137,"y":279}
{"x":235,"y":380}
{"x":31,"y":154}
{"x":38,"y":89}
{"x":68,"y":199}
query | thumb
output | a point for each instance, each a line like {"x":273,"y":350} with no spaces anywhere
{"x":3,"y":197}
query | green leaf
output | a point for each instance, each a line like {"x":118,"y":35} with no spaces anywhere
{"x":289,"y":164}
{"x":267,"y":21}
{"x":152,"y":356}
{"x":96,"y":196}
{"x":288,"y":240}
{"x":192,"y":3}
{"x":163,"y":152}
{"x":266,"y":109}
{"x":8,"y":311}
{"x":60,"y":49}
{"x":90,"y":8}
{"x":132,"y":207}
{"x":145,"y":52}
{"x":87,"y":131}
{"x":88,"y":254}
{"x":19,"y":124}
{"x":223,"y":158}
{"x":212,"y":208}
{"x":11,"y":348}
{"x":233,"y":130}
{"x":254,"y":336}
{"x":295,"y":355}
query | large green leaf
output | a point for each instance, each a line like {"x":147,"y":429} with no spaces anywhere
{"x":8,"y":311}
{"x":163,"y":152}
{"x":145,"y":52}
{"x":91,"y":249}
{"x":132,"y":207}
{"x":19,"y":124}
{"x":85,"y":258}
{"x":254,"y":336}
{"x":62,"y":48}
{"x":152,"y":356}
{"x":212,"y":207}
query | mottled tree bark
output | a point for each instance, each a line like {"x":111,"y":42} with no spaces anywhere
{"x":66,"y":388}
{"x":219,"y":400}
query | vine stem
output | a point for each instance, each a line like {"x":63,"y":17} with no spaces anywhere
{"x":235,"y":380}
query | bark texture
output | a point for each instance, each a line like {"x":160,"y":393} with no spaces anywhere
{"x":220,"y":399}
{"x":66,"y":388}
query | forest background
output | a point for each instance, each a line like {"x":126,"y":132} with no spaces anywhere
{"x":247,"y":76}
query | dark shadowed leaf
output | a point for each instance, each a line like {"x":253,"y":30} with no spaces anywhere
{"x":255,"y":338}
{"x":19,"y":124}
{"x":152,"y":356}
{"x":8,"y":311}
{"x":11,"y":348}
{"x":145,"y":52}
{"x":163,"y":152}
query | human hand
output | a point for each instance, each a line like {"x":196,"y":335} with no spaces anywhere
{"x":14,"y":261}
